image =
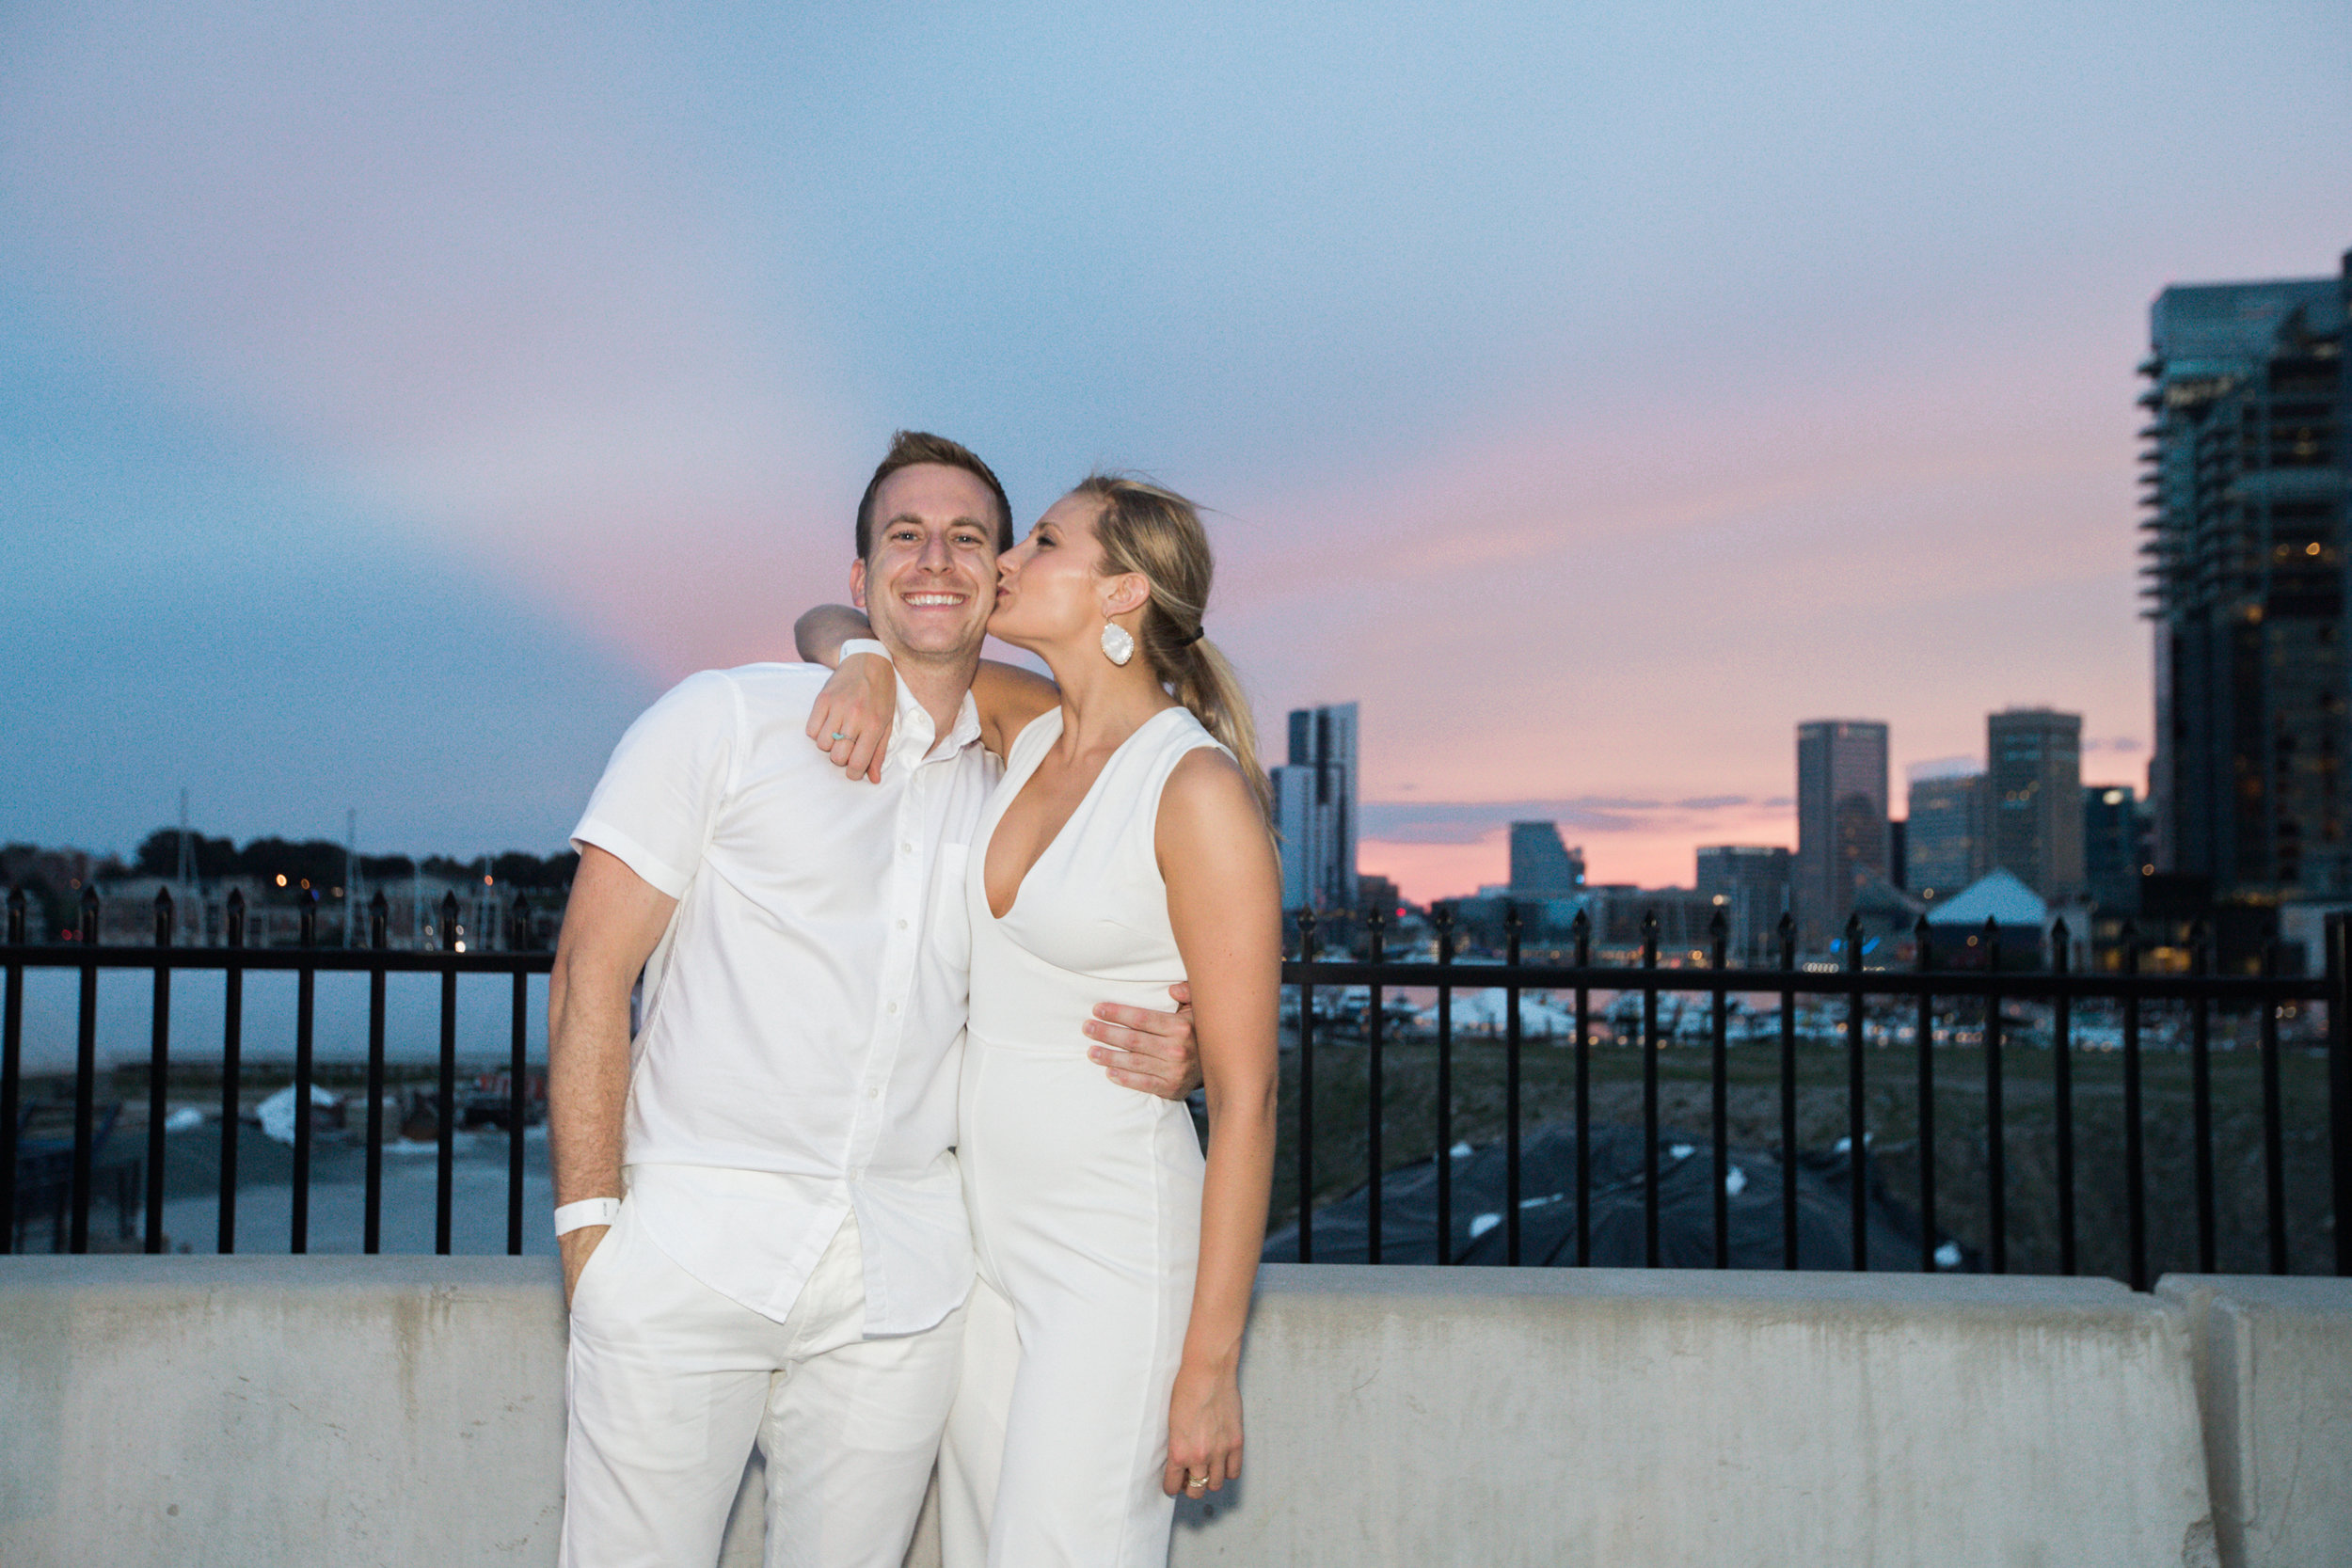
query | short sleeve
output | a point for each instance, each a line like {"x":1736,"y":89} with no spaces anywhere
{"x":663,"y":787}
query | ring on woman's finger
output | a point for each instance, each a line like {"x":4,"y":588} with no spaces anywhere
{"x":1196,"y":1484}
{"x":838,"y":736}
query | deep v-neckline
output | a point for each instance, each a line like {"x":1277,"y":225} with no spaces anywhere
{"x":1020,"y":883}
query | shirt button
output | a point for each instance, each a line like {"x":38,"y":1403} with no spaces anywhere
{"x":905,"y":848}
{"x":894,"y":1007}
{"x":873,"y":1094}
{"x":902,"y":925}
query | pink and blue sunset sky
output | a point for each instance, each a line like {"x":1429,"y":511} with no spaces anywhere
{"x":396,"y":400}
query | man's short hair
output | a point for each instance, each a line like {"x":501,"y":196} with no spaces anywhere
{"x":907,"y":448}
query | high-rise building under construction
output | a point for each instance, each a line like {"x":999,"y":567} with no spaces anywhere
{"x":2247,"y":487}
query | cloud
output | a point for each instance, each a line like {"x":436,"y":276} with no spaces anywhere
{"x":464,"y":263}
{"x":1473,"y":821}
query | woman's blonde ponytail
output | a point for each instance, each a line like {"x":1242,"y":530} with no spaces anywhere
{"x":1157,"y":534}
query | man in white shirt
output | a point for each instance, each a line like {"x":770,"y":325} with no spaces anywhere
{"x":763,"y":1230}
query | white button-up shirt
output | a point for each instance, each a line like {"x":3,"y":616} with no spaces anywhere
{"x":802,"y":1021}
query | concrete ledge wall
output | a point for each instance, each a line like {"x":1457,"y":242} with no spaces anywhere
{"x":275,"y":1412}
{"x":259,"y":1412}
{"x":1542,"y":1417}
{"x":2274,"y":1375}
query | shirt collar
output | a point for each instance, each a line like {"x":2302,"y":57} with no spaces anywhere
{"x":913,"y":739}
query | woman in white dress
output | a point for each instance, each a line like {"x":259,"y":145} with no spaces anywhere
{"x":1125,"y":850}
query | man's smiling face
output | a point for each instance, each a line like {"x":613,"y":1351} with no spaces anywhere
{"x":931,"y":581}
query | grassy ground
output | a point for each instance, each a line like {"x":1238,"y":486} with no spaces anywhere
{"x":1964,"y":1204}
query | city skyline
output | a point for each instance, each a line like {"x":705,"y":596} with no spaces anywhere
{"x":396,"y":404}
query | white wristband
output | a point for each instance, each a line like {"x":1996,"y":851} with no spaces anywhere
{"x":587,"y":1212}
{"x":864,"y":645}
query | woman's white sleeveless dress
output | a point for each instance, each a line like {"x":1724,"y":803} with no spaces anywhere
{"x":1085,"y":1196}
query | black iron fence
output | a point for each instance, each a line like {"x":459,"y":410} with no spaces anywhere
{"x":68,"y":1164}
{"x":1928,"y":995}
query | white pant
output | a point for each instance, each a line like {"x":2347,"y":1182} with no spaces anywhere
{"x":1086,"y":1223}
{"x":670,"y":1382}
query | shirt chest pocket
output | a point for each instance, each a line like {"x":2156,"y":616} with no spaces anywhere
{"x":951,"y":918}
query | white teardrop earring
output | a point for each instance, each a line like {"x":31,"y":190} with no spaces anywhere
{"x":1118,"y":646}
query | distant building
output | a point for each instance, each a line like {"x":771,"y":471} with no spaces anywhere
{"x":1946,"y":843}
{"x":1750,"y":883}
{"x":1616,"y":920}
{"x":1620,"y":915}
{"x":1841,"y":822}
{"x":1542,"y":864}
{"x":1888,"y":917}
{"x":2250,"y":414}
{"x":2020,"y":920}
{"x":1314,"y":809}
{"x":2114,"y":847}
{"x":2034,"y":784}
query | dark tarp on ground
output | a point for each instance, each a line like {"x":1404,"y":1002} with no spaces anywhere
{"x":1686,"y":1219}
